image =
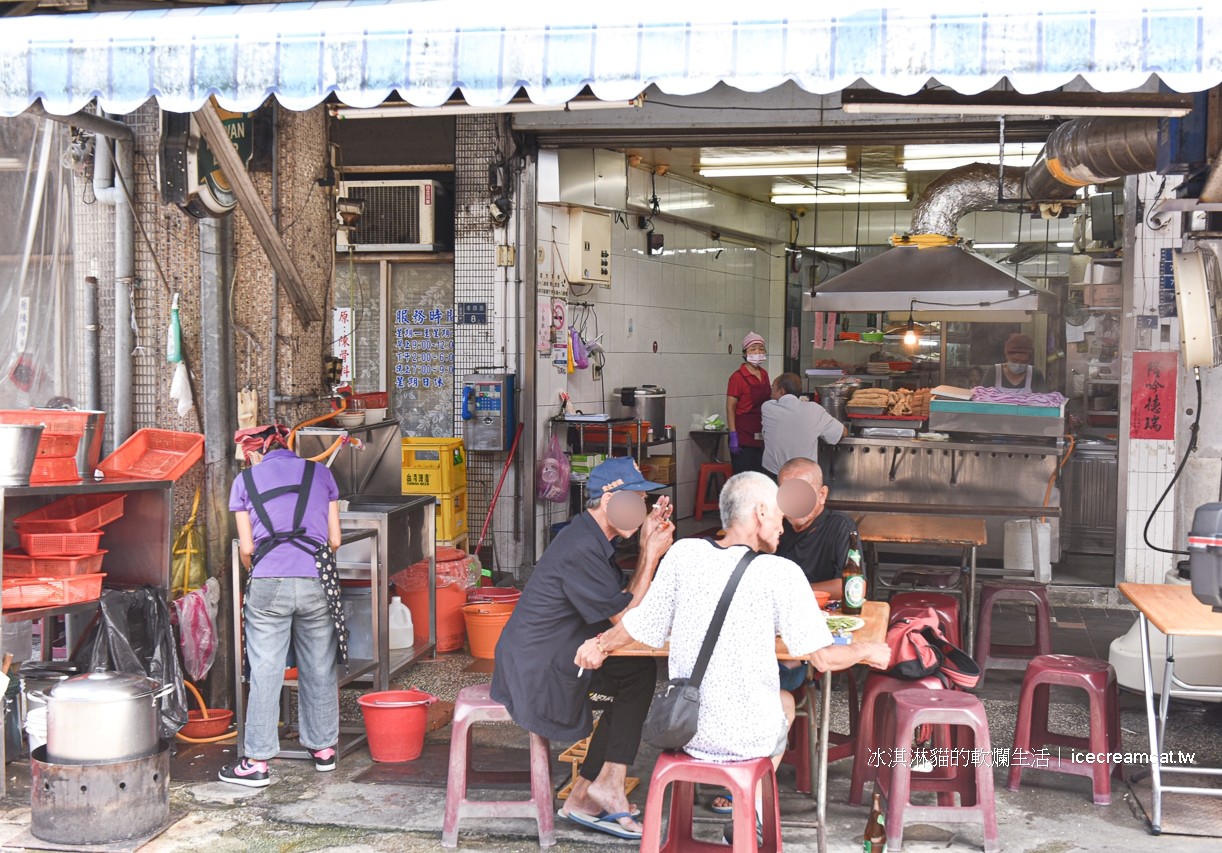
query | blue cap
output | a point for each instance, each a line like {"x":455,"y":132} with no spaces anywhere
{"x":618,"y":473}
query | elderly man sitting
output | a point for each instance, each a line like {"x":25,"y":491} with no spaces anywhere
{"x":744,"y":713}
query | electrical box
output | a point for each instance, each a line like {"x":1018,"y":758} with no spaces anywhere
{"x":589,"y":247}
{"x":488,"y":412}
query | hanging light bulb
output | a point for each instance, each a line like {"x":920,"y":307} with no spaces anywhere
{"x":910,"y":335}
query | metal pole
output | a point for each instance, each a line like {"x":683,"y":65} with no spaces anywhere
{"x":220,"y":391}
{"x":93,"y":377}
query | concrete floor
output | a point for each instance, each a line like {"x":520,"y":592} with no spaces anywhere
{"x":305,"y":811}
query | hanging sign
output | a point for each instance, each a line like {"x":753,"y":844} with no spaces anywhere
{"x":1152,"y":413}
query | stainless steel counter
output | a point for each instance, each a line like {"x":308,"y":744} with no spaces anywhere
{"x":990,"y":475}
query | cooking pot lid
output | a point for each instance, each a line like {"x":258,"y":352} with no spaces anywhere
{"x":103,"y":687}
{"x":49,"y":668}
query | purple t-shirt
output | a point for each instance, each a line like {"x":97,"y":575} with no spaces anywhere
{"x":285,"y":468}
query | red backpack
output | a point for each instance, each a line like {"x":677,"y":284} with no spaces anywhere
{"x":919,"y":649}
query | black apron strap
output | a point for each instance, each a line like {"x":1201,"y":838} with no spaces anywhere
{"x":296,"y":535}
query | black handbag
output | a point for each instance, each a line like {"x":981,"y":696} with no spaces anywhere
{"x":675,"y":711}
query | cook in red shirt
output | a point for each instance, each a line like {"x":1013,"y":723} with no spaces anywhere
{"x":746,"y":392}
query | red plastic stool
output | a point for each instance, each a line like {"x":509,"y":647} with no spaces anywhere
{"x":475,"y":705}
{"x":867,"y":723}
{"x":909,"y":709}
{"x":713,"y":476}
{"x":999,"y":656}
{"x":946,"y":606}
{"x":685,"y":772}
{"x":1098,"y":679}
{"x":841,"y":745}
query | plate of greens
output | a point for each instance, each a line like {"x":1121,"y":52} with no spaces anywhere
{"x":844,"y":624}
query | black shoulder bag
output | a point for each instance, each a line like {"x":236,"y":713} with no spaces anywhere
{"x":675,"y":711}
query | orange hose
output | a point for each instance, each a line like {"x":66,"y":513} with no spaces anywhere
{"x":292,"y":440}
{"x":1056,"y":472}
{"x":203,"y":707}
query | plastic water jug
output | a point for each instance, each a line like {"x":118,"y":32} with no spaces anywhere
{"x":400,"y":622}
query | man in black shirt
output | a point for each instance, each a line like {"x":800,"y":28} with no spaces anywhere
{"x":574,"y":594}
{"x":818,"y":540}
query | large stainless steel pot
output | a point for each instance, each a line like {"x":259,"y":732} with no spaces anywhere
{"x":18,"y":447}
{"x":103,"y":717}
{"x":647,"y":402}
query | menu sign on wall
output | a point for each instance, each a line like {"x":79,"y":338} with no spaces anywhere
{"x":1152,"y":414}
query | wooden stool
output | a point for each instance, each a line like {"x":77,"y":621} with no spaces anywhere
{"x":877,"y":685}
{"x":1000,"y":656}
{"x":910,"y":709}
{"x":475,"y":705}
{"x":905,"y":604}
{"x":1098,"y":679}
{"x":713,"y":476}
{"x":575,"y":755}
{"x":685,"y":772}
{"x":841,"y":745}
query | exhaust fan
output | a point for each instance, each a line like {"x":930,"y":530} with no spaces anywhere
{"x":1196,"y":286}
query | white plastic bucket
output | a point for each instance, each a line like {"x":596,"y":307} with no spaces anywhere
{"x":1017,"y":553}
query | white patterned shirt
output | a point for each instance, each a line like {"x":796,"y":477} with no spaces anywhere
{"x":740,"y":706}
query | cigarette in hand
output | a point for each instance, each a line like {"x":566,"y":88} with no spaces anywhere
{"x":581,"y":670}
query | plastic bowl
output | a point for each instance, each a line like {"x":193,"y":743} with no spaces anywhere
{"x":821,"y":598}
{"x":375,"y":416}
{"x":217,"y":723}
{"x":872,"y":337}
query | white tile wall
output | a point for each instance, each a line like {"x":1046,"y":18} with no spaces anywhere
{"x":697,"y":299}
{"x":1151,"y":464}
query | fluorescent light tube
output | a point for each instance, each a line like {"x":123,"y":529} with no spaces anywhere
{"x":946,"y":102}
{"x":777,"y":169}
{"x":846,"y":198}
{"x":944,"y":164}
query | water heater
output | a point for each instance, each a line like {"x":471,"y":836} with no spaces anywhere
{"x":487,"y":411}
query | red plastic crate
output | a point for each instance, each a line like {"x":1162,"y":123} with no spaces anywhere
{"x":58,"y":444}
{"x":72,"y":514}
{"x":17,"y":564}
{"x":60,"y":544}
{"x":60,"y":420}
{"x":155,"y":454}
{"x":20,"y":593}
{"x":53,"y":469}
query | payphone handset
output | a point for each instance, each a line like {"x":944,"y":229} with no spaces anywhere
{"x":488,"y":411}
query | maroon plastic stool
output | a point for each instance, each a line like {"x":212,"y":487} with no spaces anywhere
{"x":946,"y":606}
{"x":908,"y":709}
{"x":841,"y":745}
{"x":475,"y":705}
{"x":740,"y":777}
{"x":867,"y":724}
{"x":999,"y":656}
{"x":713,"y":475}
{"x":1098,"y":679}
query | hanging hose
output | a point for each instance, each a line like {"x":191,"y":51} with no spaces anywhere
{"x":1057,"y":473}
{"x":1193,"y":431}
{"x":292,"y":440}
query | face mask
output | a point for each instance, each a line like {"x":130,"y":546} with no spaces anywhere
{"x":757,"y":358}
{"x":1016,"y":367}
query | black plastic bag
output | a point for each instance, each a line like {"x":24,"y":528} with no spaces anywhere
{"x":132,"y":633}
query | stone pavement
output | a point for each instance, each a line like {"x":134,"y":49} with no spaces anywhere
{"x":306,"y":811}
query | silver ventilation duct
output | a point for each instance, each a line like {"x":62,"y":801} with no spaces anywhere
{"x":1078,"y":153}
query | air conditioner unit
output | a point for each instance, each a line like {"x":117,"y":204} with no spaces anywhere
{"x":398,"y":216}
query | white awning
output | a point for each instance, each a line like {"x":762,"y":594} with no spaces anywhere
{"x":366,"y":50}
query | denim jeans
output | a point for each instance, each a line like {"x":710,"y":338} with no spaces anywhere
{"x":275,"y":611}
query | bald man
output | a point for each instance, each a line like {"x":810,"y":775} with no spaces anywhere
{"x":818,"y":541}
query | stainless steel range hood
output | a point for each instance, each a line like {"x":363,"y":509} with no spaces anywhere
{"x":936,"y":279}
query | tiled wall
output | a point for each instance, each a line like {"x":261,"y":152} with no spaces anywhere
{"x":1149,"y":465}
{"x":695,"y":301}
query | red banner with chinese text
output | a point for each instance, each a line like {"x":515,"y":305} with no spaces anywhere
{"x":1155,"y":376}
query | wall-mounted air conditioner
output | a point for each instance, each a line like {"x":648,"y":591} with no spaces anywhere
{"x":398,"y":216}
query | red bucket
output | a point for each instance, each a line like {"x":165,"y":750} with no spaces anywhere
{"x":493,"y":595}
{"x":395,"y":721}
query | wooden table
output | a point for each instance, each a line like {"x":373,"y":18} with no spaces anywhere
{"x":940,"y":531}
{"x":1175,"y":611}
{"x":876,"y":615}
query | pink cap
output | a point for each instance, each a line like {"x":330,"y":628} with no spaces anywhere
{"x":752,"y":338}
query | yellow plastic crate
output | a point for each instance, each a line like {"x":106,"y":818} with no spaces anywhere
{"x":452,"y":515}
{"x":434,"y":466}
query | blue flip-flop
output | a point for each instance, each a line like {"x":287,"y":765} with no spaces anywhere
{"x":606,"y":822}
{"x":728,"y":797}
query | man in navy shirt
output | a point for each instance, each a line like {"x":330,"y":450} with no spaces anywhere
{"x":574,"y":594}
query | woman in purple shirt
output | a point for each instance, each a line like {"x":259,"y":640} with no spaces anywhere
{"x":287,"y":515}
